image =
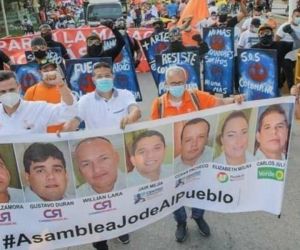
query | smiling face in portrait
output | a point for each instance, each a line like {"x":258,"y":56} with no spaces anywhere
{"x":273,"y":134}
{"x":234,"y":139}
{"x":149,"y":155}
{"x":48,"y":179}
{"x":98,"y":162}
{"x":194,"y":139}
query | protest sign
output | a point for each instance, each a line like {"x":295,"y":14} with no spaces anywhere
{"x":154,"y":45}
{"x":27,"y":75}
{"x":79,"y":74}
{"x":219,"y":60}
{"x":123,"y":68}
{"x":189,"y":60}
{"x":81,"y":207}
{"x":258,"y":73}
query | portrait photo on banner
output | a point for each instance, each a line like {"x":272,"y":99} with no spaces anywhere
{"x":10,"y":184}
{"x":273,"y":131}
{"x":46,"y":171}
{"x":99,"y":164}
{"x":149,"y":155}
{"x":235,"y":137}
{"x":193,"y":142}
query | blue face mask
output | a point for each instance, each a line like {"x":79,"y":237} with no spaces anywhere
{"x":177,"y":91}
{"x":104,"y":84}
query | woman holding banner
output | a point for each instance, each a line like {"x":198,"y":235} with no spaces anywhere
{"x":233,"y":140}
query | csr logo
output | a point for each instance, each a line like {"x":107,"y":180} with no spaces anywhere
{"x":52,"y":213}
{"x":5,"y":217}
{"x":102,"y":205}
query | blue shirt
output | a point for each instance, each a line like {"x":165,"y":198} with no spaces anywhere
{"x":172,"y":9}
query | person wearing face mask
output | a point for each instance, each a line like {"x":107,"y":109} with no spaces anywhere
{"x":158,"y":26}
{"x":47,"y":90}
{"x":22,"y":117}
{"x":265,"y":36}
{"x":178,"y":100}
{"x":249,"y":37}
{"x":290,"y":32}
{"x":224,"y":21}
{"x":135,"y":49}
{"x":95,"y":44}
{"x":39,"y":49}
{"x":106,"y":107}
{"x":257,"y":14}
{"x":61,"y":23}
{"x":46,"y":33}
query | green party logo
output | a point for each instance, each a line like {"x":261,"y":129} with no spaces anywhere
{"x":270,"y":173}
{"x":222,"y":177}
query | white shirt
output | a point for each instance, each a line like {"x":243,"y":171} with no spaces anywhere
{"x":87,"y":190}
{"x":286,"y":37}
{"x":15,"y":195}
{"x":134,"y":178}
{"x":31,"y":196}
{"x":247,"y":39}
{"x":34,"y":117}
{"x":247,"y":23}
{"x":222,"y":158}
{"x":206,"y":156}
{"x":259,"y":155}
{"x":97,"y":112}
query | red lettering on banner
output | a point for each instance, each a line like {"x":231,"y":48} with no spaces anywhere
{"x":73,"y":39}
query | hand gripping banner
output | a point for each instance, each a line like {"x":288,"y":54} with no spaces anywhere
{"x":96,"y":185}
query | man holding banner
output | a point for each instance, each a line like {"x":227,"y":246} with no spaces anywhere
{"x":178,"y":100}
{"x":23,"y":117}
{"x":106,"y":107}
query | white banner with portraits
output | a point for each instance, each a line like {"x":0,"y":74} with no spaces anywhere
{"x":90,"y":186}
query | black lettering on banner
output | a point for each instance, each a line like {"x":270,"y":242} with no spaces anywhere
{"x":65,"y":234}
{"x":22,"y":239}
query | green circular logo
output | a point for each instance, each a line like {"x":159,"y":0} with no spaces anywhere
{"x":222,"y":177}
{"x":279,"y":175}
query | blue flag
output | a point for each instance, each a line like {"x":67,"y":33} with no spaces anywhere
{"x":27,"y":75}
{"x":123,"y":68}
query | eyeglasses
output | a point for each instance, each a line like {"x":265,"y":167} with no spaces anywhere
{"x":38,"y":47}
{"x":93,"y":42}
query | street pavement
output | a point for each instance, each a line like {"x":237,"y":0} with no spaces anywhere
{"x":242,"y":231}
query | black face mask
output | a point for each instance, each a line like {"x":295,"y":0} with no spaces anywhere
{"x":266,"y":40}
{"x":47,"y":37}
{"x":223,"y":18}
{"x":40,"y":54}
{"x":94,"y":50}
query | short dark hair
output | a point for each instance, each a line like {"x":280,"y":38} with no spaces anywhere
{"x":6,"y":75}
{"x":193,"y":122}
{"x":232,"y":115}
{"x":276,"y":108}
{"x":39,"y":152}
{"x":296,"y":10}
{"x":145,"y":134}
{"x":99,"y":65}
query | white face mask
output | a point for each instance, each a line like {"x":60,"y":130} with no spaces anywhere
{"x":297,"y":20}
{"x":10,"y":99}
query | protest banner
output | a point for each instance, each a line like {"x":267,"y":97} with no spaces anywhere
{"x":219,"y":60}
{"x":123,"y":68}
{"x":84,"y":207}
{"x":27,"y":75}
{"x":154,"y":45}
{"x":258,"y":73}
{"x":79,"y":74}
{"x":74,"y":39}
{"x":189,"y":60}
